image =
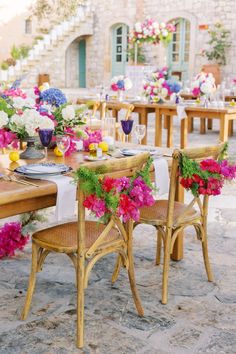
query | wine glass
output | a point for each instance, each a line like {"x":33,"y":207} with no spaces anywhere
{"x":140,"y":131}
{"x":127,"y":126}
{"x":45,"y":136}
{"x":63,"y":143}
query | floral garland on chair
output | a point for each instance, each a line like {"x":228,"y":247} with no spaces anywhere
{"x":15,"y":235}
{"x":207,"y":177}
{"x":106,"y":196}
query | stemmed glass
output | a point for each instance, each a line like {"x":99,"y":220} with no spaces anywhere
{"x":127,"y":126}
{"x":63,"y":143}
{"x":45,"y":136}
{"x":140,"y":131}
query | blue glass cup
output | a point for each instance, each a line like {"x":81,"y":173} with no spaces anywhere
{"x":127,"y":126}
{"x":45,"y":136}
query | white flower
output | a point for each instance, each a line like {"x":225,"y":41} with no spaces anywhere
{"x":155,"y":25}
{"x":17,"y":120}
{"x":18,"y":102}
{"x":162,"y":25}
{"x":138,"y":27}
{"x":206,"y":87}
{"x":164,"y":33}
{"x":161,"y":80}
{"x":46,"y":123}
{"x":127,"y":83}
{"x":164,"y":92}
{"x":68,"y":113}
{"x":3,"y":119}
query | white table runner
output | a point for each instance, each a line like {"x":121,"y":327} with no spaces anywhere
{"x":162,"y":179}
{"x":66,"y":196}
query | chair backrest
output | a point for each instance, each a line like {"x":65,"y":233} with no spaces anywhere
{"x":118,"y":106}
{"x":197,"y":154}
{"x":115,"y":168}
{"x":95,"y":106}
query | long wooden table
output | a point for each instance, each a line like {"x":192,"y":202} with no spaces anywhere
{"x":16,"y":198}
{"x":168,"y":111}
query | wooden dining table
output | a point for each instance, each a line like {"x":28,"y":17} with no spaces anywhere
{"x":16,"y":198}
{"x":168,"y":112}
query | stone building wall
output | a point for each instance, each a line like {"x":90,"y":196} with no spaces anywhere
{"x":62,"y":62}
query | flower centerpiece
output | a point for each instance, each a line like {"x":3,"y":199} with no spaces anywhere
{"x":122,"y":197}
{"x":20,"y":119}
{"x":151,"y":31}
{"x":67,"y":118}
{"x":203,"y":85}
{"x":206,"y":177}
{"x":120,"y":83}
{"x":157,"y":86}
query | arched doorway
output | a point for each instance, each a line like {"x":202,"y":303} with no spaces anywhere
{"x":76,"y":63}
{"x":178,"y":51}
{"x":119,"y":33}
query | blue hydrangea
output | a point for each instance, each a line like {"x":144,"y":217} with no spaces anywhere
{"x":53,"y":96}
{"x":121,"y":84}
{"x":174,"y":86}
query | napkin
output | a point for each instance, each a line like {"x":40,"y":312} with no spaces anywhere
{"x":66,"y":196}
{"x":162,"y":178}
{"x":181,"y":114}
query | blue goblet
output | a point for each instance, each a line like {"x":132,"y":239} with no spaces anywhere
{"x":45,"y":138}
{"x":127,"y":126}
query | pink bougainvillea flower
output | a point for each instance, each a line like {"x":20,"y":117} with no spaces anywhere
{"x":96,"y":205}
{"x":11,"y":239}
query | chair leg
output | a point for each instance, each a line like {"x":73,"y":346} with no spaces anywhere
{"x":80,"y":302}
{"x":116,"y":270}
{"x":159,"y":245}
{"x":166,"y":266}
{"x":206,"y":259}
{"x":131,"y":273}
{"x":32,"y":281}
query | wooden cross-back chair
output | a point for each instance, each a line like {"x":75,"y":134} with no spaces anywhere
{"x":85,"y":242}
{"x":171,"y":217}
{"x":118,"y":106}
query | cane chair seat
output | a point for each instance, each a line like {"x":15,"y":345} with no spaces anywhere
{"x":63,"y":238}
{"x":157,"y":213}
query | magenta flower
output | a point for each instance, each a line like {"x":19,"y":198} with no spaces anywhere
{"x":11,"y":239}
{"x":96,"y":205}
{"x":7,"y":138}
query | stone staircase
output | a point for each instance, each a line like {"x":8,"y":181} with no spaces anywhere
{"x":48,"y":54}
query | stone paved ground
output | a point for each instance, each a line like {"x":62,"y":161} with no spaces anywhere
{"x":198,"y":319}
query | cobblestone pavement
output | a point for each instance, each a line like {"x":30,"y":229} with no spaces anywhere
{"x":198,"y":319}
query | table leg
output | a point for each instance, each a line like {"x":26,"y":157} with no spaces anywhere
{"x":209,"y":124}
{"x":190,"y":124}
{"x":115,"y":113}
{"x":169,"y":131}
{"x":165,"y":122}
{"x":158,"y":128}
{"x":202,"y":125}
{"x":224,"y":126}
{"x":184,"y":133}
{"x":144,"y":120}
{"x":231,"y":127}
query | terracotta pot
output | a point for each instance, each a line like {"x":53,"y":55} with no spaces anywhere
{"x":215,"y":70}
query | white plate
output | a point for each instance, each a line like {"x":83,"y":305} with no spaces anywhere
{"x":40,"y":169}
{"x":94,"y":158}
{"x":133,"y":152}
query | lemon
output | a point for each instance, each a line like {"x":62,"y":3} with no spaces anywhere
{"x":13,"y":165}
{"x":14,"y":156}
{"x":92,"y":147}
{"x":57,"y":152}
{"x":104,"y":146}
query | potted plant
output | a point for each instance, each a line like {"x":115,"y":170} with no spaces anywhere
{"x":219,"y":43}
